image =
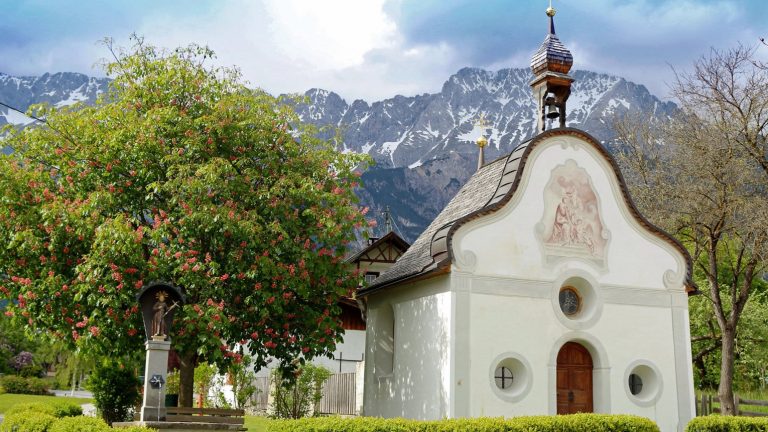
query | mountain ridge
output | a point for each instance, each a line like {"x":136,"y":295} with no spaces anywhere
{"x":423,"y":145}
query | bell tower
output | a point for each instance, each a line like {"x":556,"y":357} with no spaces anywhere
{"x":551,"y":82}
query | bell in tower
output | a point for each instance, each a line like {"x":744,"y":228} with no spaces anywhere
{"x":551,"y":83}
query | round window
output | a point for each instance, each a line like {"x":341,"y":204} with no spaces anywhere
{"x":570,"y":301}
{"x":503,"y":377}
{"x":509,"y":377}
{"x":643,"y":383}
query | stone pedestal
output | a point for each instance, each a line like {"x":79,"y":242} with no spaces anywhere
{"x":153,"y":407}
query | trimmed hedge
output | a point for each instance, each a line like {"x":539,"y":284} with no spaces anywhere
{"x":27,"y":422}
{"x":20,"y":385}
{"x":80,"y":424}
{"x":567,"y":423}
{"x":30,"y":421}
{"x":55,"y":409}
{"x":716,"y":423}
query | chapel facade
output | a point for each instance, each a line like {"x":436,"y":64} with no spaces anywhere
{"x":539,"y":289}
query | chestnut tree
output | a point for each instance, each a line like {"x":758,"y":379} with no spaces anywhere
{"x":179,"y":173}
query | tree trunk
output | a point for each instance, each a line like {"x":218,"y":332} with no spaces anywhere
{"x":186,"y":379}
{"x":725,"y":391}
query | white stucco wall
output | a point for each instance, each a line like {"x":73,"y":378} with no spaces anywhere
{"x":499,"y":303}
{"x":507,"y":285}
{"x":419,"y":383}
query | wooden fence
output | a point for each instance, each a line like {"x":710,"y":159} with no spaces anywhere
{"x":706,"y":406}
{"x":339,"y":395}
{"x":260,"y":399}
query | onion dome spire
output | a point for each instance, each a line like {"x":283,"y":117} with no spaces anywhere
{"x":552,"y":54}
{"x":551,"y":83}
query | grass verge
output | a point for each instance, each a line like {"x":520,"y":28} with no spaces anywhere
{"x":256,"y":423}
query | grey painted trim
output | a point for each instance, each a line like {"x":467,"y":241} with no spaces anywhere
{"x":611,"y":294}
{"x":461,"y":327}
{"x":686,"y":409}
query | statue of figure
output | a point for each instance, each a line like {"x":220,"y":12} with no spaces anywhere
{"x":158,"y":318}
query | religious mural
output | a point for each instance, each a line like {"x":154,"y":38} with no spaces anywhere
{"x":571,"y":224}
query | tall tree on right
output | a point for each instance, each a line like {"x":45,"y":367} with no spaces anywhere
{"x":703,"y":176}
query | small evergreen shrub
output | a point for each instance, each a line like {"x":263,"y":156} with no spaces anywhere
{"x":80,"y":424}
{"x":716,"y":423}
{"x":115,"y":391}
{"x":563,"y":423}
{"x":27,"y":422}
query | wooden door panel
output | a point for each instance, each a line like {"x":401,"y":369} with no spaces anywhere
{"x":574,"y":379}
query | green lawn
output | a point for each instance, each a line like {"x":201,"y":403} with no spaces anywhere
{"x":8,"y":400}
{"x":256,"y":423}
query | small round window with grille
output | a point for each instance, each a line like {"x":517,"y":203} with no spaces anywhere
{"x":503,"y":377}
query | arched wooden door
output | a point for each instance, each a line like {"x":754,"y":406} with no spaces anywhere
{"x":574,"y":379}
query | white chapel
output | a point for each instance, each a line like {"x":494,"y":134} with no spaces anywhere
{"x":539,"y":289}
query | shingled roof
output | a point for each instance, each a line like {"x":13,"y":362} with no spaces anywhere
{"x":552,"y":54}
{"x":488,"y":190}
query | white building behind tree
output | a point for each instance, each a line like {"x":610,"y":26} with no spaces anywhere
{"x":539,"y":289}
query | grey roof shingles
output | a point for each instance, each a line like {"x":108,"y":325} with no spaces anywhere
{"x":431,"y":247}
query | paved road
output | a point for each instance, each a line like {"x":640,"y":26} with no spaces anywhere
{"x":77,"y":393}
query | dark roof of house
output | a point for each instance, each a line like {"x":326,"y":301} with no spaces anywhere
{"x":390,"y":237}
{"x":488,"y":190}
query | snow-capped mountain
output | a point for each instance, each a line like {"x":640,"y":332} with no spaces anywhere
{"x":59,"y":89}
{"x":408,"y":131}
{"x":423,"y":145}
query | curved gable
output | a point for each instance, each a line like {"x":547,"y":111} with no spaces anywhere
{"x":489,"y":190}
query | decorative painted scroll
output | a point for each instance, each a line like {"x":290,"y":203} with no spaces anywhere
{"x":571,"y":224}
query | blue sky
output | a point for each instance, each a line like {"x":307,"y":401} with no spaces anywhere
{"x":372,"y":49}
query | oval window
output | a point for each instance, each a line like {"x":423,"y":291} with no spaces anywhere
{"x":570,"y":301}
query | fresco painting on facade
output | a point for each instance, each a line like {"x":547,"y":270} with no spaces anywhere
{"x":572,"y":224}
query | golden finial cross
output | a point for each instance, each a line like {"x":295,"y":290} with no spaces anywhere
{"x":550,"y":10}
{"x":482,"y":121}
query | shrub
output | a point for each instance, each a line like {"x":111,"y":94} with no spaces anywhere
{"x":296,"y":398}
{"x":80,"y":424}
{"x":55,"y":409}
{"x":567,"y":423}
{"x":38,"y":386}
{"x":715,"y":423}
{"x":27,"y":422}
{"x":22,"y":360}
{"x":19,"y":385}
{"x":35,"y":407}
{"x":14,"y":384}
{"x":115,"y":391}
